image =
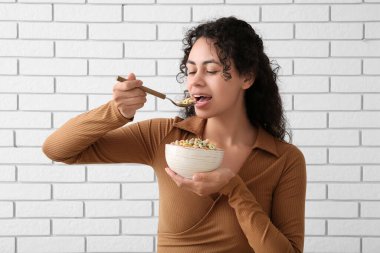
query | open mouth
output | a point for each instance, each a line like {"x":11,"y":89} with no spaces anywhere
{"x":202,"y":98}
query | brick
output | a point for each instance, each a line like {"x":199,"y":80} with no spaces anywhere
{"x":336,"y":31}
{"x":327,"y":1}
{"x":51,"y":173}
{"x":156,"y":208}
{"x":52,"y":1}
{"x":56,"y":102}
{"x":371,"y":102}
{"x":353,"y":84}
{"x":287,"y":102}
{"x":332,"y":244}
{"x":26,"y":48}
{"x":24,"y":227}
{"x":65,"y":31}
{"x":297,"y":48}
{"x":120,"y":173}
{"x":24,"y":191}
{"x":25,"y":120}
{"x":362,"y":12}
{"x":270,"y":31}
{"x":139,"y":226}
{"x":206,"y":12}
{"x":327,"y":102}
{"x":370,"y":209}
{"x":363,"y":191}
{"x":8,"y":66}
{"x":53,"y":67}
{"x":301,"y":84}
{"x":354,"y":227}
{"x":7,"y":173}
{"x":41,"y":209}
{"x":354,"y":155}
{"x":140,"y":191}
{"x":314,"y":155}
{"x":31,"y":138}
{"x":24,"y":84}
{"x":8,"y":102}
{"x":8,"y":30}
{"x":189,"y":1}
{"x":316,"y":191}
{"x":87,"y":13}
{"x":306,"y":119}
{"x":355,"y":48}
{"x":326,"y":137}
{"x":371,"y":173}
{"x":286,"y":66}
{"x":122,"y":1}
{"x":331,"y":209}
{"x":370,"y":245}
{"x":372,"y":30}
{"x":6,"y":138}
{"x":293,"y":13}
{"x":120,"y":243}
{"x":86,"y":191}
{"x":7,"y":245}
{"x":26,"y":12}
{"x":6,"y":210}
{"x":327,"y":66}
{"x":256,"y":1}
{"x":89,"y":49}
{"x":164,"y":84}
{"x":315,"y":227}
{"x":168,"y":67}
{"x":22,"y":155}
{"x":157,"y":13}
{"x":51,"y":244}
{"x":85,"y":226}
{"x":121,"y":67}
{"x":354,"y":119}
{"x":86,"y":85}
{"x":173,"y":31}
{"x":158,"y":49}
{"x":122,"y":31}
{"x":371,"y":66}
{"x":331,"y":173}
{"x":96,"y":209}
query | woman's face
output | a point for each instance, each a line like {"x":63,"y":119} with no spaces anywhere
{"x":215,"y":95}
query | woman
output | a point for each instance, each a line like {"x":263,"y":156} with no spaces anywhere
{"x":255,"y":201}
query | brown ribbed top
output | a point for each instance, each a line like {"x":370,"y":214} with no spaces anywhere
{"x":261,"y":210}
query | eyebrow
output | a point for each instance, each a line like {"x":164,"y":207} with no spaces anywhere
{"x":204,"y":63}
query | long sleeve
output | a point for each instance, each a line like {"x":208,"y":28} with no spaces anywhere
{"x":97,"y":136}
{"x":284,"y":230}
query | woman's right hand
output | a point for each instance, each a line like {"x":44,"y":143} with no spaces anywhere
{"x":128,"y":97}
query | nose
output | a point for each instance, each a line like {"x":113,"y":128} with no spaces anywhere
{"x":197,"y":79}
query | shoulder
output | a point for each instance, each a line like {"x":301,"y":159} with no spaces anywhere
{"x":291,"y":153}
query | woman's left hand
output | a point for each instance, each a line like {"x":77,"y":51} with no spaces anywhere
{"x":205,"y":183}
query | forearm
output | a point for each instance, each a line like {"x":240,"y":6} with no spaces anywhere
{"x":262,"y":234}
{"x":68,"y":142}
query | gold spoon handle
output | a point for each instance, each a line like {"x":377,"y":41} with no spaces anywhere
{"x":146,"y":89}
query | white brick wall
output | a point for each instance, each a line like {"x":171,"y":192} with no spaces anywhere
{"x":59,"y":58}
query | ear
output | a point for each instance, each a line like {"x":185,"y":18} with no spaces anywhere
{"x":248,"y":81}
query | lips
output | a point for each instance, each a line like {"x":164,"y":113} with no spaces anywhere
{"x":202,"y":97}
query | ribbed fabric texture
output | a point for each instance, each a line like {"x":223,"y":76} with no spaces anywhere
{"x":261,"y":210}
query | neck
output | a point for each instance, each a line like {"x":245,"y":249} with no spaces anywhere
{"x":230,"y":129}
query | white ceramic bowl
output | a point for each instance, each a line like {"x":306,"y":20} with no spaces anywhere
{"x":186,"y":161}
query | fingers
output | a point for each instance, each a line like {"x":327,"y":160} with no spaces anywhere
{"x":180,"y":181}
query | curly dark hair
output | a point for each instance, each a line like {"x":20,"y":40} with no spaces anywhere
{"x":236,"y":41}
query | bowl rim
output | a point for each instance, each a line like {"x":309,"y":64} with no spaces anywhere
{"x":191,"y":148}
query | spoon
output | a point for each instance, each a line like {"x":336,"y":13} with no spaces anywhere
{"x":184,"y":103}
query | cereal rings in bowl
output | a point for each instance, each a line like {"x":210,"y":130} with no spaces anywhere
{"x":186,"y":157}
